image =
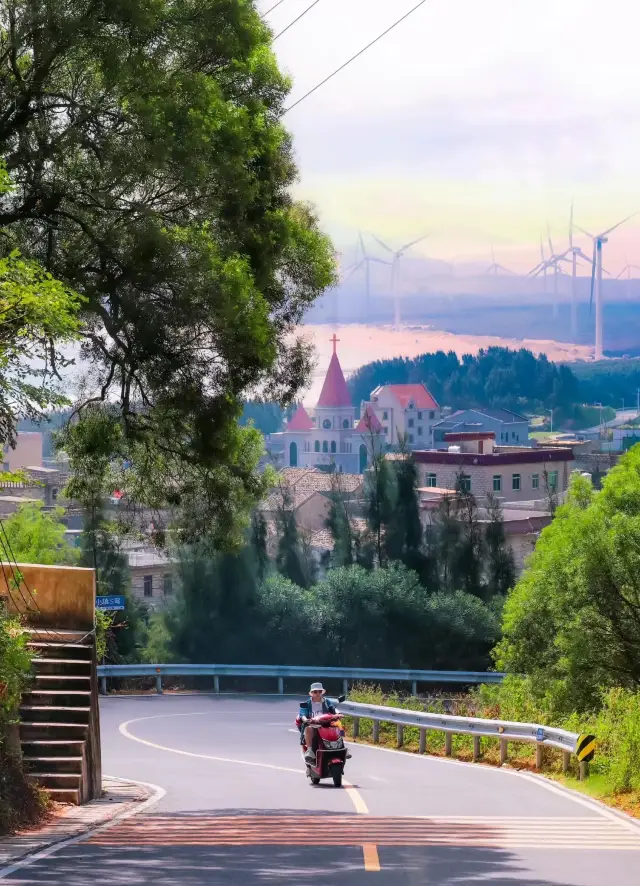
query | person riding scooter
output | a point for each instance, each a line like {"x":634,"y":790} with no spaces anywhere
{"x":314,"y":706}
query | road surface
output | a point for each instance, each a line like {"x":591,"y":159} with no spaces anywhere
{"x":238,"y":811}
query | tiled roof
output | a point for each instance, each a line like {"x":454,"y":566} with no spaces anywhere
{"x":302,"y":483}
{"x":323,"y":539}
{"x":335,"y":393}
{"x":417,"y":393}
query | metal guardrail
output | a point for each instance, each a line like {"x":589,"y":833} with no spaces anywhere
{"x":280,"y":672}
{"x":504,"y":730}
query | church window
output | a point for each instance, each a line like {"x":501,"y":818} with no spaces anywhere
{"x":345,"y":424}
{"x":333,"y":445}
{"x":326,"y":424}
{"x":316,"y":446}
{"x":325,"y":446}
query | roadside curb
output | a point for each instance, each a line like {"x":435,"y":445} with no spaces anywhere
{"x":121,"y":799}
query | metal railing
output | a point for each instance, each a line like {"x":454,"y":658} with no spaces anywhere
{"x":281,"y":672}
{"x":505,"y":731}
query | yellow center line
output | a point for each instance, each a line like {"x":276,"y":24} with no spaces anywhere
{"x":369,"y":850}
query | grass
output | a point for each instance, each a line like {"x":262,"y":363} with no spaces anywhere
{"x":602,"y":784}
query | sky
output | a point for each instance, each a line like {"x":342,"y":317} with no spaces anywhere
{"x":477,"y":121}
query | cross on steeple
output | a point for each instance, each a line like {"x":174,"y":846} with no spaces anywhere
{"x":334,"y":341}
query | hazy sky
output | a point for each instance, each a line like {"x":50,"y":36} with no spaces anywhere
{"x":477,"y":120}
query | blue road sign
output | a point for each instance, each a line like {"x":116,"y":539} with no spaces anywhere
{"x":540,"y":734}
{"x":111,"y":603}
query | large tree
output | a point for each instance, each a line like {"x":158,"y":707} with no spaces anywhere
{"x":152,"y":173}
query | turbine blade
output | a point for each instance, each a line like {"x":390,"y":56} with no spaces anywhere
{"x":379,"y":241}
{"x":549,"y":238}
{"x":608,"y":231}
{"x":352,"y":270}
{"x":582,"y":230}
{"x":571,"y":225}
{"x":413,"y":243}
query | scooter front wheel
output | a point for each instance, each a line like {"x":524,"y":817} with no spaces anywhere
{"x":314,"y":779}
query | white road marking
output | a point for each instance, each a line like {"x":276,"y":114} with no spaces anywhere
{"x":159,"y":793}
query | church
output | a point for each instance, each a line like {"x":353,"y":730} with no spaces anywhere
{"x":330,"y":435}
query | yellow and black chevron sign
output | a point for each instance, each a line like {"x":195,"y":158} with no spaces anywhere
{"x":586,"y":748}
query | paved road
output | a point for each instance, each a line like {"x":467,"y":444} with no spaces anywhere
{"x":238,"y":811}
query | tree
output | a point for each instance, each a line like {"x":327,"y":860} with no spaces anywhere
{"x":37,"y":315}
{"x":152,"y":175}
{"x":33,"y":535}
{"x":572,"y":623}
{"x":500,"y":571}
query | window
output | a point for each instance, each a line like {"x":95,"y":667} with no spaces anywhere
{"x":432,"y":480}
{"x":497,"y":483}
{"x":316,"y":446}
{"x":410,"y":438}
{"x":333,"y":445}
{"x":385,"y":429}
{"x":54,"y":494}
{"x":553,"y":479}
{"x":465,"y":482}
{"x":326,"y":424}
{"x":147,"y":583}
{"x":513,"y":435}
{"x":385,"y":415}
{"x":325,"y":446}
{"x":535,"y":481}
{"x":515,"y":482}
{"x":419,"y":432}
{"x":345,"y":424}
{"x":5,"y":467}
{"x":410,"y":423}
{"x":432,"y":415}
{"x":167,"y":584}
{"x":419,"y":416}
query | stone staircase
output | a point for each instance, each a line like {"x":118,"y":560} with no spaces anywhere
{"x":59,"y":721}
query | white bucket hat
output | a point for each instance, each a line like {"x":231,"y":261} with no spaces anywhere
{"x":317,"y":687}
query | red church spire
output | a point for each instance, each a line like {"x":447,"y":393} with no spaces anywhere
{"x":335,"y":393}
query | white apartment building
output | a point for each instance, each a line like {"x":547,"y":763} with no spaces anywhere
{"x":405,"y":410}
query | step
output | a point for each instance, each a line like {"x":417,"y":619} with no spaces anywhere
{"x":57,"y":635}
{"x":55,"y":713}
{"x":62,"y":681}
{"x":61,"y":667}
{"x":62,"y":765}
{"x":56,"y":780}
{"x":44,"y":730}
{"x":57,"y":748}
{"x":82,"y":651}
{"x":55,"y":696}
{"x":64,"y":795}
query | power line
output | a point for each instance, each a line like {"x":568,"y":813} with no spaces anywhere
{"x":302,"y":14}
{"x":272,"y":8}
{"x":354,"y":57}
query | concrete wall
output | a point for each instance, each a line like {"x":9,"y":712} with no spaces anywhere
{"x":157,"y":572}
{"x":62,"y":596}
{"x":28,"y":451}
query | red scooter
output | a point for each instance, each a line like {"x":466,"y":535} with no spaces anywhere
{"x":331,"y":753}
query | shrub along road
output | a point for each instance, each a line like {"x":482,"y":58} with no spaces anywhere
{"x":238,"y":810}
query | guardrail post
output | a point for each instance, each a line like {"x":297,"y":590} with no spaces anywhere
{"x":566,"y":760}
{"x":504,"y":749}
{"x":345,"y":687}
{"x":281,"y":685}
{"x":376,"y":731}
{"x":356,"y":727}
{"x":103,"y":685}
{"x":584,"y":770}
{"x":539,"y":756}
{"x":448,"y":744}
{"x":158,"y":682}
{"x":414,"y":687}
{"x":399,"y":735}
{"x":476,"y":748}
{"x":216,"y":684}
{"x":422,"y":747}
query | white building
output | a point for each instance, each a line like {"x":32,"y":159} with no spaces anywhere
{"x":405,"y":411}
{"x":330,"y":435}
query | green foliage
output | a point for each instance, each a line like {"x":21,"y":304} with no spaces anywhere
{"x":609,"y":382}
{"x":37,"y":536}
{"x":15,"y":666}
{"x":154,"y":179}
{"x":497,"y":377}
{"x":572,"y":623}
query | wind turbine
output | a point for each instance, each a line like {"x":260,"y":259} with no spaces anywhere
{"x":596,"y":278}
{"x":576,"y":253}
{"x":395,"y":272}
{"x":494,"y":268}
{"x":366,"y":262}
{"x":627,"y":269}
